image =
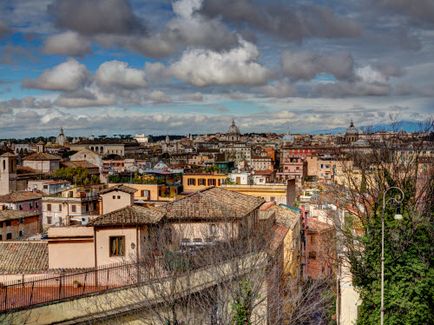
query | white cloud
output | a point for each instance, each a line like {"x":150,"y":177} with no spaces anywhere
{"x":118,"y":74}
{"x":67,"y":76}
{"x":68,"y":43}
{"x":370,"y":75}
{"x":202,"y":67}
{"x":158,"y":96}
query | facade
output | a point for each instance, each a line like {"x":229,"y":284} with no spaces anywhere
{"x":196,"y":182}
{"x":8,"y":173}
{"x":293,"y":168}
{"x":115,"y":198}
{"x":70,"y":206}
{"x":22,"y":201}
{"x":18,"y":225}
{"x":87,"y":155}
{"x":270,"y":192}
{"x":261,"y":163}
{"x":48,"y":186}
{"x":42,"y":162}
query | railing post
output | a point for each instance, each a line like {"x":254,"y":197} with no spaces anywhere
{"x":6,"y":297}
{"x":84,"y":284}
{"x":108,"y":278}
{"x":31,"y":293}
{"x":60,"y":286}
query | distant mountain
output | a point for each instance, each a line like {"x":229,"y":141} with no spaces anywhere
{"x":408,"y":126}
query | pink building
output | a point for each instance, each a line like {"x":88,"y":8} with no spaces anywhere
{"x":22,"y":201}
{"x":292,"y":168}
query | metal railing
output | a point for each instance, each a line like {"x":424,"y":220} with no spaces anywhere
{"x":21,"y":295}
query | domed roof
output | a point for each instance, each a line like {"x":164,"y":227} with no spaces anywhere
{"x":352,"y":129}
{"x":233,"y":129}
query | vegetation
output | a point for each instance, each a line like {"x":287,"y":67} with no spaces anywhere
{"x":77,"y":176}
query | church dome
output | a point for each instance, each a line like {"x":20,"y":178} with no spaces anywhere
{"x":233,"y":129}
{"x":352,"y":129}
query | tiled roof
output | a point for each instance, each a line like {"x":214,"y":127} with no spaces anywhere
{"x":42,"y":156}
{"x":212,"y":203}
{"x":314,"y":225}
{"x":121,"y":187}
{"x":285,"y":216}
{"x":20,"y":196}
{"x":23,"y":257}
{"x":16,"y":214}
{"x":8,"y":154}
{"x":128,"y":216}
{"x":79,"y":163}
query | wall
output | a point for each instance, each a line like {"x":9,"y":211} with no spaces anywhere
{"x":115,"y":200}
{"x":224,"y":230}
{"x":29,"y":227}
{"x":269,"y":192}
{"x":207,"y":179}
{"x":103,"y":245}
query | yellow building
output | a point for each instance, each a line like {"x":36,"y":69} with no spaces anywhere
{"x":270,"y":192}
{"x":196,"y":182}
{"x":153,"y":192}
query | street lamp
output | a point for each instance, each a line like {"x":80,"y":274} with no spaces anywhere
{"x":396,"y":199}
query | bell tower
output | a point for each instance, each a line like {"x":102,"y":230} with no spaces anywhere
{"x":8,"y":173}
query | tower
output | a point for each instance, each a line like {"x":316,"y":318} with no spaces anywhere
{"x":8,"y":173}
{"x":60,"y":140}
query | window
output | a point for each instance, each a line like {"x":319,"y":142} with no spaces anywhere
{"x":45,"y":187}
{"x":48,"y":207}
{"x":60,"y":207}
{"x":60,"y":221}
{"x":202,"y":181}
{"x":8,"y":223}
{"x":8,"y":236}
{"x":36,"y":205}
{"x":31,"y":205}
{"x":117,"y":246}
{"x":73,"y":208}
{"x":49,"y":220}
{"x":20,"y":233}
{"x":1,"y":237}
{"x":272,"y":199}
{"x":114,"y":197}
{"x":119,"y":197}
{"x":211,"y":182}
{"x":20,"y":207}
{"x":21,"y":220}
{"x":213,"y":229}
{"x":191,"y":181}
{"x":312,"y":255}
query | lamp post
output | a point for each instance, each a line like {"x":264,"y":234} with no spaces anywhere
{"x":396,"y":199}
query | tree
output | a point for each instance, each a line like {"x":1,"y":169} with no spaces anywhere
{"x":409,"y":273}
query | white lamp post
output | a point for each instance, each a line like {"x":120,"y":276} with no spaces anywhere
{"x":396,"y":199}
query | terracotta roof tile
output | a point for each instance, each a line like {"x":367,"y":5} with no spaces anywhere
{"x":42,"y":156}
{"x":128,"y":216}
{"x":20,"y":196}
{"x":16,"y":214}
{"x":23,"y":257}
{"x":212,"y":203}
{"x":121,"y":187}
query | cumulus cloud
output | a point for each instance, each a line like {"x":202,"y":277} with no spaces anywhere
{"x":420,"y":10}
{"x":282,"y":20}
{"x":85,"y":98}
{"x":157,"y":96}
{"x":306,"y":65}
{"x":370,"y":75}
{"x":26,"y":102}
{"x":68,"y":43}
{"x":352,"y":89}
{"x":118,"y":74}
{"x":96,"y":16}
{"x":186,"y":29}
{"x":194,"y":97}
{"x":279,"y":89}
{"x":67,"y":76}
{"x":202,"y":67}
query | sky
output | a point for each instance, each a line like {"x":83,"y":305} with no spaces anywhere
{"x":191,"y":66}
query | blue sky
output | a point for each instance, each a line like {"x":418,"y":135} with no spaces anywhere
{"x":190,"y":66}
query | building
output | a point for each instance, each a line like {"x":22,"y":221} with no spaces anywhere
{"x":115,"y":198}
{"x":61,"y":139}
{"x":269,"y":192}
{"x":8,"y":173}
{"x":42,"y":162}
{"x":48,"y":186}
{"x":22,"y":201}
{"x":87,"y":155}
{"x":195,"y":182}
{"x":18,"y":225}
{"x":74,"y":205}
{"x":233,"y":134}
{"x":292,"y":168}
